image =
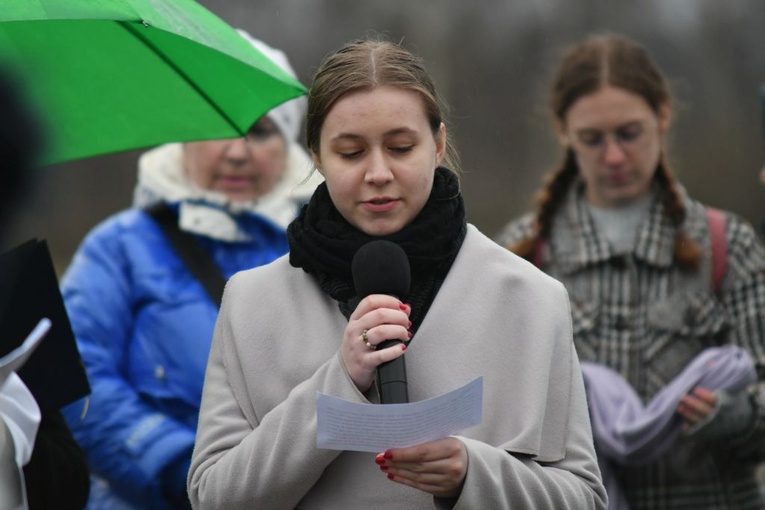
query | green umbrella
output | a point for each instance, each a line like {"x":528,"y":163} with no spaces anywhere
{"x":113,"y":75}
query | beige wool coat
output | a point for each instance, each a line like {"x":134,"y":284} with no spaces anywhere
{"x":276,"y":345}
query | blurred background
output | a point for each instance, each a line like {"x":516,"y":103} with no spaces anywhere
{"x":492,"y":61}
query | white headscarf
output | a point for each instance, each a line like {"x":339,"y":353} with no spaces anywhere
{"x":288,"y":116}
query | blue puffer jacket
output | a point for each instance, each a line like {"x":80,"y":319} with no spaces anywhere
{"x":144,"y":324}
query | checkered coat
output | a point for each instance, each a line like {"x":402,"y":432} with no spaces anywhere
{"x":643,"y":316}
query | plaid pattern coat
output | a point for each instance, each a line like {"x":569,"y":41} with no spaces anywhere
{"x":644,"y":317}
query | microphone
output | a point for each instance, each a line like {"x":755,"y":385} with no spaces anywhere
{"x":382,"y":267}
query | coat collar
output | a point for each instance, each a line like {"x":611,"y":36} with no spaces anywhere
{"x":576,"y":242}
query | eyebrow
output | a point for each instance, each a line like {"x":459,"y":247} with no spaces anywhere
{"x":392,"y":132}
{"x":620,"y":126}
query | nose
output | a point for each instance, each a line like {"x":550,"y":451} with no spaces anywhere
{"x":378,"y":171}
{"x":237,"y":151}
{"x":614,"y":153}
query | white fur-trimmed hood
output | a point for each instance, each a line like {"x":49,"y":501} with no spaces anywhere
{"x":162,"y":178}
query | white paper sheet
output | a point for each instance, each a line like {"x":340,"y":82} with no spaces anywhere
{"x":344,"y":425}
{"x":21,"y":418}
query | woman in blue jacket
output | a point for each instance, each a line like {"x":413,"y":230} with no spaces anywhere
{"x":144,"y":323}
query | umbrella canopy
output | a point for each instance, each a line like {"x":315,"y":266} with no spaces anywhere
{"x":113,"y":75}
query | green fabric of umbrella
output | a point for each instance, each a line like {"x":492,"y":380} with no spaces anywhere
{"x":113,"y":75}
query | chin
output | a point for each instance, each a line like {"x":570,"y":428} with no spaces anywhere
{"x":239,"y":197}
{"x":626,"y":200}
{"x":379,"y":230}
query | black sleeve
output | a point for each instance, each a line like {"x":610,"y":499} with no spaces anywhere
{"x":57,"y":476}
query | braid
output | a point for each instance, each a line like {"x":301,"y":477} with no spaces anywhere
{"x":549,"y":198}
{"x":687,"y":252}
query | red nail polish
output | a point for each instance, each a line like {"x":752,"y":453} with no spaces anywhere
{"x":390,"y":476}
{"x":409,"y":333}
{"x":402,"y":306}
{"x":388,"y":455}
{"x":384,"y":468}
{"x":409,"y":325}
{"x":379,"y":460}
{"x":403,"y":347}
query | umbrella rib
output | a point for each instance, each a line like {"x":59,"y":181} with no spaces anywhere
{"x":130,"y":28}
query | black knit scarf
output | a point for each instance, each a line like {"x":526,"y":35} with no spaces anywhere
{"x":323,"y":244}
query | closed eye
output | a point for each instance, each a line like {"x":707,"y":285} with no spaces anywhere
{"x":591,"y":138}
{"x":351,"y":154}
{"x":629,"y":132}
{"x":261,"y":132}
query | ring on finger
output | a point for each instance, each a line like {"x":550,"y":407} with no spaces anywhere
{"x":366,"y":340}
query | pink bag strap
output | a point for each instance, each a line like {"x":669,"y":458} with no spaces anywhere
{"x":716,"y":222}
{"x":538,"y":252}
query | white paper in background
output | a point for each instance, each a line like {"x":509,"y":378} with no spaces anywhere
{"x":344,"y":425}
{"x":21,"y":417}
{"x":15,"y":359}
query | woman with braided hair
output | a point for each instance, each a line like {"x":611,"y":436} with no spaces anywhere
{"x":635,"y":254}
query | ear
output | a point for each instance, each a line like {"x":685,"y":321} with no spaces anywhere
{"x":561,"y":133}
{"x":665,"y":117}
{"x":316,"y":161}
{"x":440,"y":144}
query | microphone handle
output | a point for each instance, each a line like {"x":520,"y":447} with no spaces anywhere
{"x":391,"y":378}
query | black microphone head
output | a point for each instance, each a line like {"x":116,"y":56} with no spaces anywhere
{"x":381,"y":267}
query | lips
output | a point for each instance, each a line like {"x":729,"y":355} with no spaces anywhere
{"x":619,"y":178}
{"x":381,"y":204}
{"x":234,"y":181}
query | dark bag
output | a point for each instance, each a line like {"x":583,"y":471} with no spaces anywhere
{"x":187,"y":247}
